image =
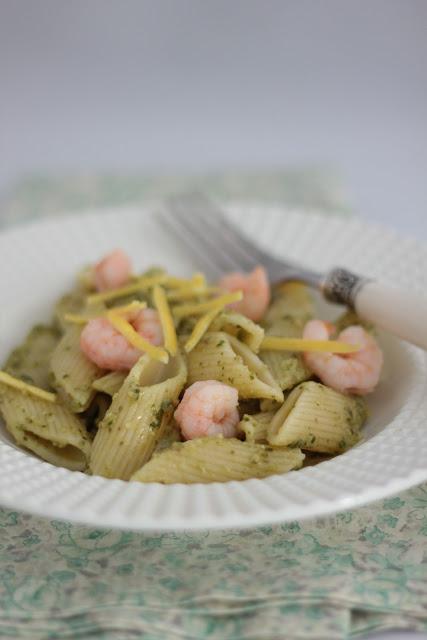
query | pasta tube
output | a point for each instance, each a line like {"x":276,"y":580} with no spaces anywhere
{"x":317,"y":418}
{"x":270,"y":405}
{"x":292,"y":301}
{"x":110,"y":383}
{"x":71,"y":303}
{"x":45,"y":428}
{"x":240,"y":327}
{"x":172,"y":434}
{"x":137,"y":417}
{"x":217,"y":460}
{"x":219,"y":356}
{"x":72,"y":373}
{"x":255,"y":427}
{"x":95,"y":413}
{"x":287,"y":368}
{"x":30,"y":361}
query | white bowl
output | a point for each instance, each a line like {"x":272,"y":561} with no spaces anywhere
{"x":39,"y":262}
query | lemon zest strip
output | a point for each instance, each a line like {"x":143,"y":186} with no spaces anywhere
{"x":166,"y":320}
{"x":75,"y":318}
{"x":198,"y":308}
{"x":273,"y":343}
{"x":200,"y":328}
{"x":16,"y":383}
{"x":141,"y":284}
{"x":127,"y":331}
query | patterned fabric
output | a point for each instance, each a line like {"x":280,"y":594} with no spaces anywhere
{"x":41,"y":196}
{"x":335,"y":577}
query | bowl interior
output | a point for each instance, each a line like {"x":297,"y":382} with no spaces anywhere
{"x":39,"y":264}
{"x":40,"y":283}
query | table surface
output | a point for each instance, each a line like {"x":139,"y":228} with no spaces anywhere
{"x":195,"y":86}
{"x":395,"y":635}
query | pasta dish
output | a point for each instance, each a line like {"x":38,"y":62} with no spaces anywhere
{"x":158,"y":378}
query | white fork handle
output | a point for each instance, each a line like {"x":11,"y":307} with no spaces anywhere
{"x":399,"y":311}
{"x":396,"y":310}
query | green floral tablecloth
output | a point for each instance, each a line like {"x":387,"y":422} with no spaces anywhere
{"x":337,"y":577}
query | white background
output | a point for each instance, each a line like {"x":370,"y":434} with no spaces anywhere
{"x":190,"y":85}
{"x":184,"y":84}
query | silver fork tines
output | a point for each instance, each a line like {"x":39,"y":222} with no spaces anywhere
{"x":217,"y":247}
{"x":216,"y":244}
{"x":207,"y":228}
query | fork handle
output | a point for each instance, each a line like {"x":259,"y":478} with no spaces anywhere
{"x":401,"y":312}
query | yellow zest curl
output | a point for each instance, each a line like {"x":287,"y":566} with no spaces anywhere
{"x":198,"y":308}
{"x":200,"y":328}
{"x":272,"y":343}
{"x":75,"y":318}
{"x":166,"y":320}
{"x":16,"y":383}
{"x":135,"y":305}
{"x":196,"y":280}
{"x":187,"y":293}
{"x":127,"y":331}
{"x":141,"y":284}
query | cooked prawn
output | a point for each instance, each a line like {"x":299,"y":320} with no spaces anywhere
{"x":113,"y":271}
{"x":256,"y":292}
{"x":356,"y":372}
{"x":107,"y":348}
{"x":208,"y":408}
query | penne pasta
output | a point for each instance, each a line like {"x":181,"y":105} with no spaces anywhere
{"x":31,"y":361}
{"x":171,"y":434}
{"x":29,"y":389}
{"x":219,"y":356}
{"x":217,"y":460}
{"x":287,"y":368}
{"x":95,"y":413}
{"x":72,"y":373}
{"x":138,"y":417}
{"x":255,"y":427}
{"x":270,"y":405}
{"x":162,"y":338}
{"x":251,"y":406}
{"x":71,"y":303}
{"x":240,"y":327}
{"x":110,"y":383}
{"x":317,"y":418}
{"x":292,"y":301}
{"x":45,"y":428}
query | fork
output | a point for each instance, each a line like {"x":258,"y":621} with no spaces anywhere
{"x":219,"y":247}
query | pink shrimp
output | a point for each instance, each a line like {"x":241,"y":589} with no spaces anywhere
{"x":356,"y":372}
{"x":113,"y":271}
{"x":107,"y":348}
{"x":208,"y":408}
{"x":256,"y":292}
